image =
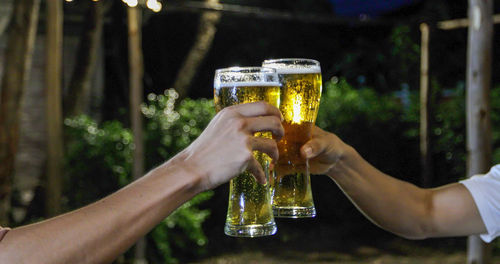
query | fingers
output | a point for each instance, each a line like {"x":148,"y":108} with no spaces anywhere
{"x":240,"y":122}
{"x":265,"y":123}
{"x":254,"y":117}
{"x":316,"y":146}
{"x":265,"y":145}
{"x":312,"y":148}
{"x":257,"y":172}
{"x":325,"y":146}
{"x":257,"y":109}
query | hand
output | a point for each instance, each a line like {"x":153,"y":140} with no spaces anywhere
{"x":324,"y":150}
{"x":225,"y":148}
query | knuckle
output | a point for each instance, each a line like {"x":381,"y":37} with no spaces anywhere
{"x":226,"y":112}
{"x":267,"y":107}
{"x":274,"y":146}
{"x":278,"y":127}
{"x":261,"y":104}
{"x":248,"y":142}
{"x":239,"y":124}
{"x":274,"y":149}
{"x":276,"y":122}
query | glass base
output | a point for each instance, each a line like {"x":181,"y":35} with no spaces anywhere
{"x":294,"y":212}
{"x":250,"y":230}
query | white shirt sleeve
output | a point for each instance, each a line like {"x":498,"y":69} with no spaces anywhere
{"x":485,"y":190}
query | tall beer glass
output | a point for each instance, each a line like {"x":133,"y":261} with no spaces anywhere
{"x":300,"y":96}
{"x":249,"y":212}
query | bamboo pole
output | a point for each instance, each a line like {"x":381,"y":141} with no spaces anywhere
{"x":425,"y":107}
{"x":479,"y":149}
{"x":136,"y":94}
{"x":53,"y":79}
{"x":461,"y":23}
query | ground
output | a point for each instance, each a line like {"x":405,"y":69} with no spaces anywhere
{"x":400,"y":252}
{"x":334,"y":258}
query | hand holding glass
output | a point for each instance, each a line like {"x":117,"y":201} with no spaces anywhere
{"x":299,"y":103}
{"x":249,"y":211}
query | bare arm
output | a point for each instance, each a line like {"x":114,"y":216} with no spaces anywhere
{"x":392,"y":204}
{"x":100,"y":232}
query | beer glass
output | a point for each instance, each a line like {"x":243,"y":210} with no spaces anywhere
{"x":300,"y":96}
{"x":249,"y":212}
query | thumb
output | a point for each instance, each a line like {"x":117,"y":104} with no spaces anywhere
{"x":311,"y":149}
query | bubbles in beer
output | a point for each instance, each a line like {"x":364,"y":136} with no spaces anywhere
{"x":299,"y":102}
{"x":300,"y":97}
{"x":249,"y":201}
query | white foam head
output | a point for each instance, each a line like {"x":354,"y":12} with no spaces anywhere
{"x":246,"y":76}
{"x":248,"y":84}
{"x":288,"y":69}
{"x":293,"y":66}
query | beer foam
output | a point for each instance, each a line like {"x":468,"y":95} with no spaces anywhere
{"x":294,"y":69}
{"x":241,"y":84}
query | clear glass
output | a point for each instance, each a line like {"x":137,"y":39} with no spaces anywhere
{"x":249,"y":212}
{"x":299,"y":102}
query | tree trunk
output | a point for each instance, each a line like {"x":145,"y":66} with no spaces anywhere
{"x":136,"y":94}
{"x":479,"y":149}
{"x":21,"y":37}
{"x":53,"y":81}
{"x":5,"y":14}
{"x":425,"y":108}
{"x":76,"y":100}
{"x":205,"y":36}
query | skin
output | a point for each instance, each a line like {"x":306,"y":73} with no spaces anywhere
{"x":394,"y":205}
{"x":101,"y":231}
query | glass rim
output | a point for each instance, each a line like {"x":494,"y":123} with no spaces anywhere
{"x":246,"y":75}
{"x":294,"y":61}
{"x":245,"y":70}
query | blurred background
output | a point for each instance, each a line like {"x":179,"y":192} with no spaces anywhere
{"x":163,"y":55}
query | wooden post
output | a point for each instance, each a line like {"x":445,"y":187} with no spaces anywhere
{"x":461,"y":23}
{"x":136,"y":96}
{"x":53,"y":80}
{"x":425,"y":108}
{"x":18,"y":54}
{"x":479,"y":149}
{"x":77,"y":99}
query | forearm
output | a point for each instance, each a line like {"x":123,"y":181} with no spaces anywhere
{"x":98,"y":233}
{"x":394,"y":205}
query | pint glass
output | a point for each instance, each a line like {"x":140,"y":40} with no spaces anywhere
{"x":300,"y":96}
{"x":249,"y":212}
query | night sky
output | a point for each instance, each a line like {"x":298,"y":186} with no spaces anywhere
{"x":367,"y":7}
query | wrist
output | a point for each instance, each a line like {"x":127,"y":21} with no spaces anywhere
{"x":344,"y":163}
{"x":181,"y":166}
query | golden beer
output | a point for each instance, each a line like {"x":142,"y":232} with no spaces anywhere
{"x":249,"y":211}
{"x":300,"y":97}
